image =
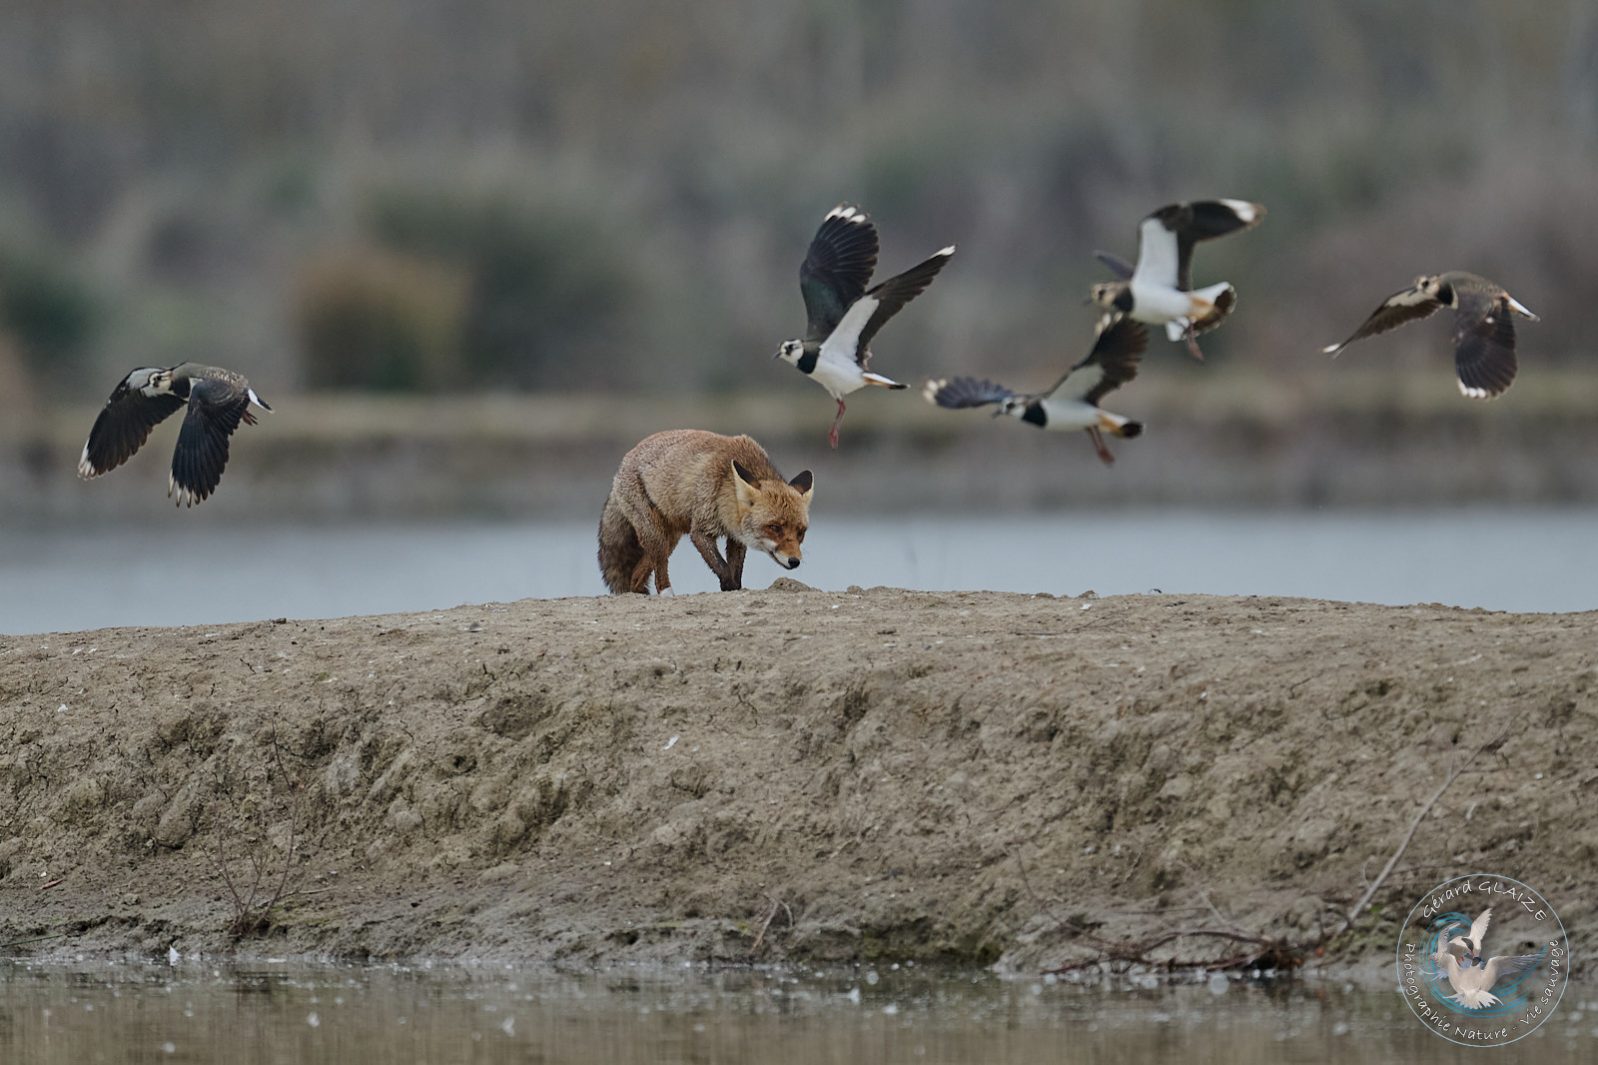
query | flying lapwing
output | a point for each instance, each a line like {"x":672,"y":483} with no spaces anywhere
{"x":1159,"y":289}
{"x":217,"y":399}
{"x":1473,"y":975}
{"x":844,"y":315}
{"x":1072,"y":402}
{"x":1484,"y":326}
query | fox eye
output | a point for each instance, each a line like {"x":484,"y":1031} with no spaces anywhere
{"x":801,"y":535}
{"x":774,"y":532}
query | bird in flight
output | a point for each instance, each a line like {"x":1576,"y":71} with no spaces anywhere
{"x":844,"y":314}
{"x":1484,"y":326}
{"x":1159,"y":289}
{"x":217,"y":401}
{"x":1072,"y":402}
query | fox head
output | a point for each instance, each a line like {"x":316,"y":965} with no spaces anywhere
{"x":773,"y":516}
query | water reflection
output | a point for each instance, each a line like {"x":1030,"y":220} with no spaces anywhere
{"x":265,"y":1013}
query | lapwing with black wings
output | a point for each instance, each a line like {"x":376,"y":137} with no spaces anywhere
{"x":844,"y":314}
{"x":1484,"y":326}
{"x":1159,"y":289}
{"x":1072,"y":402}
{"x":217,"y":401}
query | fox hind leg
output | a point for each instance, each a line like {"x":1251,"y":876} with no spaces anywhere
{"x":639,"y":580}
{"x":662,"y":578}
{"x":657,"y":544}
{"x":634,"y":541}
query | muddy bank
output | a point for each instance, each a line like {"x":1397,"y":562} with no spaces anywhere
{"x":786,"y":774}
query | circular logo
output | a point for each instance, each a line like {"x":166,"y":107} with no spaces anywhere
{"x":1483,"y":960}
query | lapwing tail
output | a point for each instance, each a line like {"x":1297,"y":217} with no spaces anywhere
{"x":1117,"y":425}
{"x":881,"y":381}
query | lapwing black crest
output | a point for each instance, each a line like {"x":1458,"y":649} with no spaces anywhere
{"x":217,"y":400}
{"x":1159,"y":289}
{"x":1484,"y":326}
{"x":844,"y":314}
{"x":1072,"y":402}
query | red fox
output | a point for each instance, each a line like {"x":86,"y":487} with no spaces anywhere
{"x":705,"y":485}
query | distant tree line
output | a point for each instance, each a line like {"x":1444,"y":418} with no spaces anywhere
{"x":399,"y":194}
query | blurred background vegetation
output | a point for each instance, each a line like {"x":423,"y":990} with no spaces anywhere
{"x":492,"y":194}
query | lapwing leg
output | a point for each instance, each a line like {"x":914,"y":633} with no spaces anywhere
{"x":1192,"y":342}
{"x":1098,"y":445}
{"x":832,"y":434}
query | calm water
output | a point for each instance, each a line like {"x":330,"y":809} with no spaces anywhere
{"x":208,"y":571}
{"x":352,"y":1016}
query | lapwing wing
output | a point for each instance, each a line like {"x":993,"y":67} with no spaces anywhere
{"x":844,"y":314}
{"x":1159,"y":289}
{"x":217,"y":400}
{"x":1484,"y":326}
{"x":1072,"y":402}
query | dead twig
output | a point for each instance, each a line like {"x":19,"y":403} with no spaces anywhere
{"x":777,"y":905}
{"x":34,"y":939}
{"x":1414,"y":825}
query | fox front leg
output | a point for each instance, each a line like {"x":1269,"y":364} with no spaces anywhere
{"x":706,"y":543}
{"x":735,"y":565}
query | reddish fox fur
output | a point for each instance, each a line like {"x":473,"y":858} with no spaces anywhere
{"x":707,"y":486}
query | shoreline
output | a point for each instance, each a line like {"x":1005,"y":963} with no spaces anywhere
{"x":1361,"y":439}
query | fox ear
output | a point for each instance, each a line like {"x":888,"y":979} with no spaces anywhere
{"x":744,"y":482}
{"x":805,"y":483}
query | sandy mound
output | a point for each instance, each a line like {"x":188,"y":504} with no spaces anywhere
{"x":789,"y":773}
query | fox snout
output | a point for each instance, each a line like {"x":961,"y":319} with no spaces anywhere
{"x":783,"y":547}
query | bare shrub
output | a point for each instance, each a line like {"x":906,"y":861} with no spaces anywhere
{"x":369,"y":318}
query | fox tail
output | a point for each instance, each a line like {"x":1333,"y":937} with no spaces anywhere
{"x":619,"y":549}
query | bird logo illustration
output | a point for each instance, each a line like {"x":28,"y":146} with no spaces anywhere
{"x":1462,"y":960}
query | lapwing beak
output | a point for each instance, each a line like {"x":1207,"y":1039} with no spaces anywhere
{"x":777,"y":354}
